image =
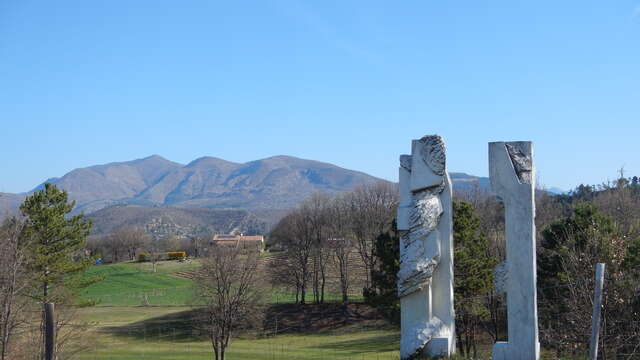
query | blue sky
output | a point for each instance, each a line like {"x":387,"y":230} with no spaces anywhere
{"x":347,"y":82}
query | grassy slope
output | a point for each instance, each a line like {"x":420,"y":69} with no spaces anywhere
{"x":131,"y":284}
{"x":135,"y":284}
{"x":123,"y":329}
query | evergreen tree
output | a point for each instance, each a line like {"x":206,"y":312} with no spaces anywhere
{"x":570,"y":249}
{"x":473,"y":273}
{"x":55,"y":243}
{"x":383,"y":294}
{"x":586,"y":236}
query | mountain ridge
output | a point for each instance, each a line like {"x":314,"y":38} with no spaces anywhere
{"x":206,"y":195}
{"x":277,"y":182}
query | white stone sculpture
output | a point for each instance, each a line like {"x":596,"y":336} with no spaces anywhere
{"x":425,"y":279}
{"x":513,"y":180}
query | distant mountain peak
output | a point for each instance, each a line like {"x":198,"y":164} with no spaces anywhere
{"x":283,"y":157}
{"x":154,"y":157}
{"x":209,"y":160}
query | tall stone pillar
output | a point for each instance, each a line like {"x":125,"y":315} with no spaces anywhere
{"x":425,"y":279}
{"x":512,"y":177}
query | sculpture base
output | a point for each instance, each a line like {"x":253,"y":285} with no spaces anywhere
{"x":438,"y":347}
{"x":502,"y":351}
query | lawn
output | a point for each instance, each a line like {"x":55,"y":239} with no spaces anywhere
{"x":142,"y":314}
{"x":131,"y":284}
{"x":372,"y":344}
{"x":159,"y":333}
{"x":135,"y":284}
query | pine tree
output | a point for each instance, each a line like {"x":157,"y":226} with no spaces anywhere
{"x":55,"y":243}
{"x":473,"y":273}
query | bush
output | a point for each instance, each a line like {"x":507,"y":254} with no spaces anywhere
{"x":144,"y":257}
{"x":383,"y":295}
{"x":172,"y":255}
{"x":176,"y":255}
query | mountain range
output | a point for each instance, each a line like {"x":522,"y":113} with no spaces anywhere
{"x":264,"y":187}
{"x":277,"y":182}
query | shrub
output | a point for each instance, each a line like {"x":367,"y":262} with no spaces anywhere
{"x":176,"y":255}
{"x":142,"y":257}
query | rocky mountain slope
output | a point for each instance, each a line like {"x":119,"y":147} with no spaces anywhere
{"x":163,"y":221}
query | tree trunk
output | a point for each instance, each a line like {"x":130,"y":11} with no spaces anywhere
{"x":49,"y":333}
{"x":322,"y":286}
{"x":461,"y":344}
{"x":215,"y":346}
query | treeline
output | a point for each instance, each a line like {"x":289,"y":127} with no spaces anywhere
{"x":338,"y":231}
{"x":575,"y":231}
{"x":127,"y":242}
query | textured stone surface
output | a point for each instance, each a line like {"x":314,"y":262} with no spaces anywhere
{"x":433,"y":153}
{"x":512,"y":177}
{"x":520,"y":156}
{"x":425,"y":279}
{"x":430,"y":170}
{"x":500,"y":275}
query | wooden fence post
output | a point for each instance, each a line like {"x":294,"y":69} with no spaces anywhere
{"x":597,"y":307}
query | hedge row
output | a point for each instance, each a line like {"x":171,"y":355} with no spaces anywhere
{"x":172,"y":255}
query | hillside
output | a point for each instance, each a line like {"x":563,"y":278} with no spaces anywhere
{"x":10,"y":202}
{"x":163,"y":221}
{"x":207,"y":195}
{"x":464,"y":182}
{"x":278,"y":182}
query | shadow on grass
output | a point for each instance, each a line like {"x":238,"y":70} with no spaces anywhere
{"x":380,"y":343}
{"x":171,"y":327}
{"x":279,"y":319}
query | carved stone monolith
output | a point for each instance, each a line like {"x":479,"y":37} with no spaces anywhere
{"x":425,"y":279}
{"x":512,"y":177}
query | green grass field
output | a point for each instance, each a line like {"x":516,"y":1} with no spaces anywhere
{"x":160,"y":333}
{"x":142,"y":315}
{"x":132,"y":284}
{"x":135,"y":284}
{"x":370,"y":344}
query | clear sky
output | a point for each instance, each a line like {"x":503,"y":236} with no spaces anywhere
{"x":346,"y":82}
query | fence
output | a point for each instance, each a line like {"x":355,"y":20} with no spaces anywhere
{"x":159,"y":339}
{"x":160,"y":331}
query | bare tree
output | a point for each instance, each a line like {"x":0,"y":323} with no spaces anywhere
{"x":283,"y":272}
{"x":197,"y":243}
{"x":621,"y":202}
{"x":152,"y":245}
{"x":129,"y":240}
{"x":340,"y":242}
{"x":294,"y":233}
{"x":315,"y":211}
{"x":372,"y":208}
{"x":228,"y":285}
{"x":115,"y":246}
{"x":12,"y":281}
{"x":70,"y":341}
{"x":171,"y":243}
